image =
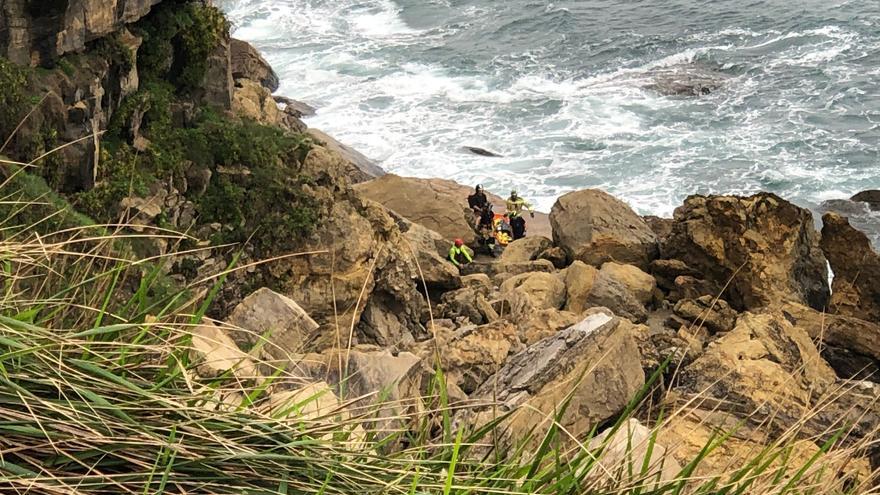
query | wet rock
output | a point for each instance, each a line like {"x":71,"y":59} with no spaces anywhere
{"x":247,"y":63}
{"x":594,"y":227}
{"x":686,"y":80}
{"x":706,"y":311}
{"x":480,"y":151}
{"x":856,"y":267}
{"x":765,"y":246}
{"x":871,"y":197}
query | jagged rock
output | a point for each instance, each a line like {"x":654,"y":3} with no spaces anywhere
{"x":856,"y":267}
{"x":525,"y":249}
{"x":477,"y":281}
{"x":283,"y":326}
{"x":247,"y":63}
{"x":766,"y":246}
{"x":763,"y":364}
{"x":252,"y":101}
{"x":666,"y":271}
{"x":579,"y":278}
{"x":661,"y":227}
{"x":297,"y":108}
{"x":29,"y":35}
{"x":555,"y":255}
{"x":428,"y":249}
{"x":596,"y":361}
{"x":594,"y":227}
{"x":472,"y":354}
{"x":214,"y":354}
{"x":515,"y":305}
{"x":360,"y":168}
{"x":544,"y":323}
{"x":852,"y":344}
{"x":545,"y":289}
{"x":640,"y":284}
{"x":686,"y":80}
{"x":706,"y":311}
{"x":469,"y":302}
{"x":871,"y":196}
{"x":217,"y":88}
{"x":631,"y":457}
{"x":686,"y":287}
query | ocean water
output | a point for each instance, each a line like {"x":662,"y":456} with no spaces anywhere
{"x":559,"y":89}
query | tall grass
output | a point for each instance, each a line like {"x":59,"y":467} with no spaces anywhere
{"x":99,"y":393}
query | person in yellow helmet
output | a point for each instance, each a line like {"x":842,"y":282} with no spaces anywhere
{"x":515,"y":206}
{"x":459,"y":254}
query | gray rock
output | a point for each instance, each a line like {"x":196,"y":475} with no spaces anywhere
{"x":279,"y":322}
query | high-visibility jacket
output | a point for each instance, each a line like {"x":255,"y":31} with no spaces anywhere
{"x":515,"y":206}
{"x":458,"y":254}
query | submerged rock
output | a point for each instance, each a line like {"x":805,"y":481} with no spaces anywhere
{"x":481,"y":151}
{"x":686,"y":80}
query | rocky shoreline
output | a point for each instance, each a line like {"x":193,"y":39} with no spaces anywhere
{"x":728,"y":301}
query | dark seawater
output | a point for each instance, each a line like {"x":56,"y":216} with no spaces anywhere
{"x":558,"y":88}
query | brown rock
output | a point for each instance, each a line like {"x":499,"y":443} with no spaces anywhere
{"x":871,"y":196}
{"x":277,"y":321}
{"x":526,"y":249}
{"x":427,"y":250}
{"x":545,"y":289}
{"x":764,"y":363}
{"x":596,"y":361}
{"x":640,"y":284}
{"x":253,"y":101}
{"x":360,"y":168}
{"x":579,"y":279}
{"x":544,"y":323}
{"x":247,"y":63}
{"x":765,"y":246}
{"x":666,"y":271}
{"x":706,"y":311}
{"x":594,"y":227}
{"x":661,"y":227}
{"x":469,"y":302}
{"x":555,"y":255}
{"x":686,"y":287}
{"x":214,"y":354}
{"x":856,"y":267}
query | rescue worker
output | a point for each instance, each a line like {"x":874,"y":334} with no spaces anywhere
{"x":515,"y":205}
{"x":458,"y":254}
{"x":477,"y":200}
{"x":485,"y":227}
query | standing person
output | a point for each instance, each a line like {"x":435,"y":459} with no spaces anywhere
{"x":515,"y":205}
{"x":458,"y":254}
{"x":477,"y":201}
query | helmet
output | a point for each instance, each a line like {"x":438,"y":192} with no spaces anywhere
{"x":459,"y":242}
{"x":479,"y":187}
{"x":513,"y":192}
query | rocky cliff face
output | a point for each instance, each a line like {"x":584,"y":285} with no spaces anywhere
{"x":34,"y":32}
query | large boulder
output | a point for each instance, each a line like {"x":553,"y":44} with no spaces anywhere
{"x":856,"y":267}
{"x":423,"y":201}
{"x":623,"y":289}
{"x":525,"y":249}
{"x":851,"y":346}
{"x":763,"y":245}
{"x":764,"y":363}
{"x":594,"y":227}
{"x":595,"y":362}
{"x":277,"y":321}
{"x":546,"y":290}
{"x":247,"y":63}
{"x":427,"y":250}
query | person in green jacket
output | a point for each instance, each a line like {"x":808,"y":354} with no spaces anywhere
{"x":515,"y":206}
{"x":458,"y":254}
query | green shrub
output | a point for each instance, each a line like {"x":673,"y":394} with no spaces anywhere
{"x":13,"y":97}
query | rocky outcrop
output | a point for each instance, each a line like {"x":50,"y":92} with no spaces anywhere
{"x":856,"y":267}
{"x":763,"y":245}
{"x":361,"y":168}
{"x":764,"y":363}
{"x":593,"y":366}
{"x":247,"y":63}
{"x":870,"y":196}
{"x":594,"y":227}
{"x":686,"y":80}
{"x":32,"y":33}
